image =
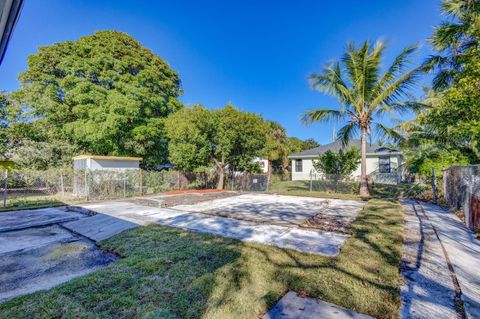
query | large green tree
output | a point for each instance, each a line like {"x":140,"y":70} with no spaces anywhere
{"x":222,"y":138}
{"x":104,"y":93}
{"x":364,"y":93}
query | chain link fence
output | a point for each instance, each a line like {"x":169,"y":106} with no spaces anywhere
{"x":58,"y":186}
{"x":332,"y":183}
{"x":461,"y":191}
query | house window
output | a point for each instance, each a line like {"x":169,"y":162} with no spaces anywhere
{"x":384,"y":164}
{"x":298,"y":165}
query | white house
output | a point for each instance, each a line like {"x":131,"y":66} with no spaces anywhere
{"x":263,"y":164}
{"x":384,"y":165}
{"x":97,"y":162}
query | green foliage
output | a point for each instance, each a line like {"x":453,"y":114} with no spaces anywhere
{"x":199,"y":137}
{"x":455,"y":40}
{"x":309,"y":143}
{"x":189,"y":132}
{"x":450,"y":123}
{"x":104,"y":94}
{"x":340,"y":164}
{"x":436,"y":158}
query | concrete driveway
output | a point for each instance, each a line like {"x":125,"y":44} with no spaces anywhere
{"x":37,"y":253}
{"x":261,"y":218}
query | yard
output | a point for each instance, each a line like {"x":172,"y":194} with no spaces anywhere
{"x":168,"y":273}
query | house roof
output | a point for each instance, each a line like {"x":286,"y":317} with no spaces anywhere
{"x":372,"y":149}
{"x":110,"y":158}
{"x":9,"y":13}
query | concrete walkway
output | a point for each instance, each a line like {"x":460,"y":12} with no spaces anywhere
{"x":440,"y":265}
{"x":115,"y":216}
{"x":463,"y":251}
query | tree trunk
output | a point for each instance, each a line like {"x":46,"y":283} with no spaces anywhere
{"x":221,"y":177}
{"x":269,"y":174}
{"x":363,"y":166}
{"x":221,"y":173}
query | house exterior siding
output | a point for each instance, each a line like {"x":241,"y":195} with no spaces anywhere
{"x":373,"y":156}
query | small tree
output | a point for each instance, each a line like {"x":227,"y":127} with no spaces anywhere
{"x":338,"y":165}
{"x":224,"y":138}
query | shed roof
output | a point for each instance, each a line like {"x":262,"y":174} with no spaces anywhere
{"x":110,"y":158}
{"x":338,"y":145}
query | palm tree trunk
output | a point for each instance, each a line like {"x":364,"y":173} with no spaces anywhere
{"x":363,"y":168}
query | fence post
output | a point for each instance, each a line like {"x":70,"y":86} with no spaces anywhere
{"x":468,"y":198}
{"x":5,"y":189}
{"x":141,"y":183}
{"x":444,"y":173}
{"x":125,"y":184}
{"x":61,"y":185}
{"x":311,"y":180}
{"x":86,"y":188}
{"x":434,"y":184}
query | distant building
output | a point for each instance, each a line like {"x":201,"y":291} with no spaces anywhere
{"x":262,"y":162}
{"x":384,"y":165}
{"x":97,"y":162}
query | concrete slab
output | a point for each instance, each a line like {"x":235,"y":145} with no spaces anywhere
{"x":274,"y":209}
{"x":427,"y":290}
{"x":294,"y":306}
{"x":15,"y":241}
{"x":190,"y":217}
{"x":45,"y":266}
{"x":99,"y":227}
{"x":309,"y":241}
{"x":463,"y":250}
{"x":22,"y":219}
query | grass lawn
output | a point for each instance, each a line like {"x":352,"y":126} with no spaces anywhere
{"x":169,"y":273}
{"x":34,"y":200}
{"x":324,"y":189}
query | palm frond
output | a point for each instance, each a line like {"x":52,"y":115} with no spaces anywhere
{"x":448,"y":35}
{"x":396,"y":90}
{"x":347,"y":132}
{"x":396,"y":68}
{"x":331,"y":82}
{"x":388,"y":133}
{"x":407,"y":107}
{"x":321,"y":115}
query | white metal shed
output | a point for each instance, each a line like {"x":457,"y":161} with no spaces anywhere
{"x":98,"y":162}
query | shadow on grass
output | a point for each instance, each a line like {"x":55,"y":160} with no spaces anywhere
{"x":166,"y":272}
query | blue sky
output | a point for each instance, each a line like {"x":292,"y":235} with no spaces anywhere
{"x":255,"y":54}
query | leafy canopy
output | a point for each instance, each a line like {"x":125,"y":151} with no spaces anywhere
{"x":199,"y":137}
{"x":104,"y":93}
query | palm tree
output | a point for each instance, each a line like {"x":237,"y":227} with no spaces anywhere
{"x":453,"y":39}
{"x":364,"y":93}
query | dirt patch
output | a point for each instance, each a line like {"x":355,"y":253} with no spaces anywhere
{"x":322,"y":221}
{"x":331,"y":219}
{"x":194,"y":191}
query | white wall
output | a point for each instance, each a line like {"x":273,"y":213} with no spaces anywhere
{"x":263,"y":164}
{"x":372,"y":167}
{"x":95,"y":164}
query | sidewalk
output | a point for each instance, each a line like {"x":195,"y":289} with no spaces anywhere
{"x":440,"y":264}
{"x":463,"y":251}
